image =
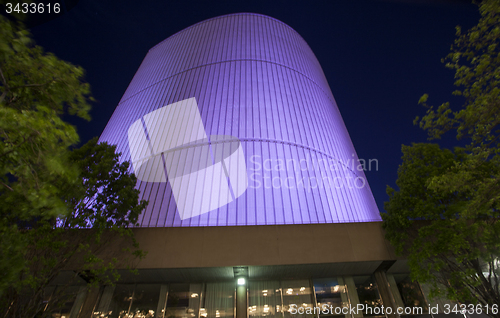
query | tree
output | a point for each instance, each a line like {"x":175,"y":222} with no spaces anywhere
{"x":445,"y":215}
{"x":475,"y":58}
{"x":58,"y":208}
{"x":35,"y":90}
{"x":444,"y":247}
{"x":102,"y":207}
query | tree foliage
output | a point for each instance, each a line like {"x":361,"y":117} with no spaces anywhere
{"x":445,"y":215}
{"x":102,"y":206}
{"x":475,"y":58}
{"x":444,"y":247}
{"x":58,"y":207}
{"x":106,"y":198}
{"x":36,"y":88}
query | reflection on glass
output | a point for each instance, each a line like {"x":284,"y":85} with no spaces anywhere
{"x":297,"y":294}
{"x":330,"y":294}
{"x":145,"y":301}
{"x":410,"y":292}
{"x":219,"y":300}
{"x":264,"y":299}
{"x":120,"y":301}
{"x":64,"y":298}
{"x":131,"y":301}
{"x":178,"y":301}
{"x":368,"y":294}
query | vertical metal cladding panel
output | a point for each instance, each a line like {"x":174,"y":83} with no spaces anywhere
{"x":256,"y":82}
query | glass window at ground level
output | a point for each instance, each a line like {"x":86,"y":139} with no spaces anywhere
{"x":411,"y":293}
{"x":219,"y":300}
{"x":297,"y":296}
{"x":62,"y":299}
{"x":331,"y":295}
{"x":129,"y":300}
{"x":368,"y":295}
{"x":183,"y":301}
{"x":264,"y":299}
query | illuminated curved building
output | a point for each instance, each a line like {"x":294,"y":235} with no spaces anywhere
{"x":254,"y":80}
{"x":258,"y":203}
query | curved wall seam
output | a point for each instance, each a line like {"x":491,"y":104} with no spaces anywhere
{"x":220,"y":62}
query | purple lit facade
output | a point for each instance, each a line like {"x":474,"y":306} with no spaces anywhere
{"x":253,"y":78}
{"x":256,"y":201}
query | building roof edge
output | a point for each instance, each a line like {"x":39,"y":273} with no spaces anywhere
{"x":224,"y":16}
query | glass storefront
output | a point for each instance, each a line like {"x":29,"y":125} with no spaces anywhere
{"x":210,"y":300}
{"x":219,"y":300}
{"x":410,"y":292}
{"x":297,"y":294}
{"x":280,"y":298}
{"x":331,"y":293}
{"x":70,"y":299}
{"x":368,"y":295}
{"x":325,"y":297}
{"x":265,"y":299}
{"x":139,"y":300}
{"x":183,"y":300}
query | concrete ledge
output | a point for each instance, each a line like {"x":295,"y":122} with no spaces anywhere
{"x":262,"y":245}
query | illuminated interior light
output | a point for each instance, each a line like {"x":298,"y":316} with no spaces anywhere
{"x":194,"y":295}
{"x":241,"y":281}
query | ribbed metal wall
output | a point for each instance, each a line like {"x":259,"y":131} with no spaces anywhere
{"x":254,"y":78}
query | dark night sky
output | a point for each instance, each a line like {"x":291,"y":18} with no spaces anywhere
{"x":379,"y":57}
